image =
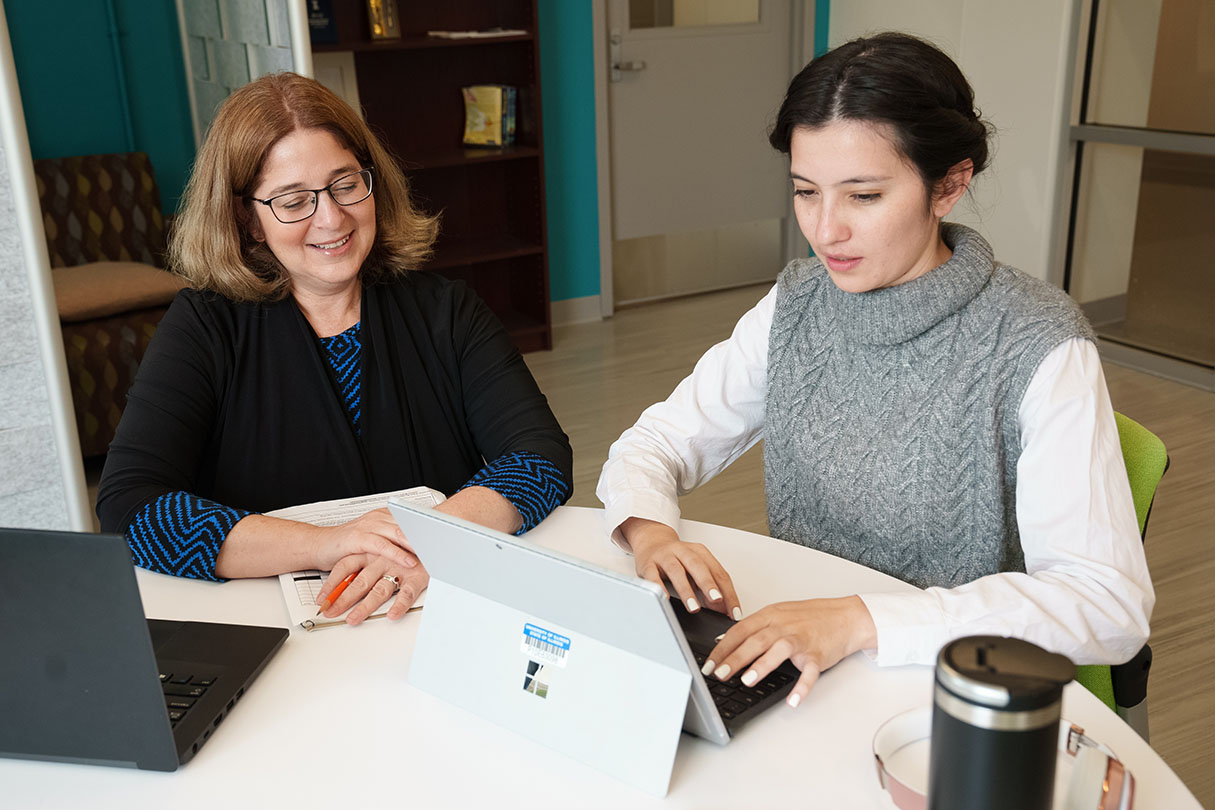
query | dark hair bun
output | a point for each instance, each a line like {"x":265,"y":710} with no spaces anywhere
{"x":898,"y":80}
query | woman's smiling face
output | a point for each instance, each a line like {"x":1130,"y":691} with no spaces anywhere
{"x":325,"y":252}
{"x":863,"y":208}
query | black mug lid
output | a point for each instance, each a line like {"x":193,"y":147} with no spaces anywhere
{"x":1003,"y":673}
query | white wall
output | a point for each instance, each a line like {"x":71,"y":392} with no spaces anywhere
{"x":1016,"y":56}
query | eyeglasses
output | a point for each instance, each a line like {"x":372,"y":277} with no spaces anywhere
{"x":296,"y":206}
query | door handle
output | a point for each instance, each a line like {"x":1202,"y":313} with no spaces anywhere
{"x":634,"y":66}
{"x":619,"y":65}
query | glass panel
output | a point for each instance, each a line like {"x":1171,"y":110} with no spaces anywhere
{"x":1154,"y":65}
{"x":1143,"y":263}
{"x":685,"y":13}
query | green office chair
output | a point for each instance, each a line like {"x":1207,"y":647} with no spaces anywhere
{"x":1124,"y":687}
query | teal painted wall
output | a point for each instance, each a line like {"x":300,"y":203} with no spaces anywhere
{"x":156,"y":81}
{"x":71,"y":84}
{"x":68,"y":110}
{"x":567,"y":82}
{"x":822,"y":24}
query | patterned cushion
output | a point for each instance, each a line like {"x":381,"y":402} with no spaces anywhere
{"x":102,"y":358}
{"x":101,"y":208}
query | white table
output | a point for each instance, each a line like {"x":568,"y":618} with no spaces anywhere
{"x":332,"y":722}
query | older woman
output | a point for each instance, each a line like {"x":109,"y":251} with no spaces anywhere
{"x":311,"y":360}
{"x":926,"y":410}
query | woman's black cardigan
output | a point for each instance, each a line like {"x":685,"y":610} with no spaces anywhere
{"x":234,"y":402}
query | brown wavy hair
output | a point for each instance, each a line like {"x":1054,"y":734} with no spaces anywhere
{"x":212,"y":246}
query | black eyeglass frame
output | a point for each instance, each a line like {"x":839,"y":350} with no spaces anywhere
{"x":316,"y":195}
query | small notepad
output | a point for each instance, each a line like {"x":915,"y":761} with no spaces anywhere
{"x":301,"y":588}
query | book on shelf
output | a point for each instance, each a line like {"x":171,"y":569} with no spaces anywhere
{"x":508,"y":125}
{"x":383,"y":19}
{"x":321,"y":26}
{"x":490,"y":113}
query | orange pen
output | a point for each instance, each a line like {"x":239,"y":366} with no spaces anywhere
{"x":335,"y":593}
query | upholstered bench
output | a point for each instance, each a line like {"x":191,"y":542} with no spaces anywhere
{"x":106,"y":237}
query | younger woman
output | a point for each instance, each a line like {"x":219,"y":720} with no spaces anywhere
{"x":926,"y":411}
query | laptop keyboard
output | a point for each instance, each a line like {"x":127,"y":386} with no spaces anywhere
{"x":732,"y":698}
{"x":182,"y":691}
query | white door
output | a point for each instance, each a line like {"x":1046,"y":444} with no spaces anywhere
{"x":699,"y":198}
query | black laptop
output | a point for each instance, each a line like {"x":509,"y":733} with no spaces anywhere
{"x":84,"y":677}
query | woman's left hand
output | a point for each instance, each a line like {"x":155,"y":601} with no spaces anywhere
{"x":815,"y":635}
{"x":372,"y":587}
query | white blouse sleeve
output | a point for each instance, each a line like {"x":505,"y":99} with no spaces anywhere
{"x":711,"y":418}
{"x":1086,"y":592}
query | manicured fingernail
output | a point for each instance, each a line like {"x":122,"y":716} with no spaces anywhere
{"x":715,"y":594}
{"x":722,"y":672}
{"x":750,"y":677}
{"x":708,"y":668}
{"x":794,"y":699}
{"x":693,"y":605}
{"x":737,"y":614}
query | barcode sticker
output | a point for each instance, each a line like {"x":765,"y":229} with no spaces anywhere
{"x":545,"y":646}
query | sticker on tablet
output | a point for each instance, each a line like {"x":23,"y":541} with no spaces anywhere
{"x":545,"y":646}
{"x":536,"y":679}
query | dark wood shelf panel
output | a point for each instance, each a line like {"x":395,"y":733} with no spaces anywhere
{"x":529,"y":334}
{"x":415,"y":43}
{"x":465,"y":156}
{"x":477,"y":251}
{"x":517,"y":322}
{"x":493,"y":232}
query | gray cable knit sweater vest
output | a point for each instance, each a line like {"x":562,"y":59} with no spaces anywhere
{"x":890,"y":432}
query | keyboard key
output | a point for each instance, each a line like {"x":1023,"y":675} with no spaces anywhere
{"x":179,"y":679}
{"x":190,"y":690}
{"x":179,"y":702}
{"x":722,"y":690}
{"x":176,"y":714}
{"x":204,"y":680}
{"x":164,"y":676}
{"x":733,"y":707}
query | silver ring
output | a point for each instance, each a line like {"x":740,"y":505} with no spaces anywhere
{"x":396,"y":581}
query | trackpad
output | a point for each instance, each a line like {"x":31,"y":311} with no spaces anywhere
{"x":162,"y":632}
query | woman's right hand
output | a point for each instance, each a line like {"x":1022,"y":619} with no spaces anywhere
{"x":375,"y":533}
{"x":660,"y":555}
{"x":376,"y":581}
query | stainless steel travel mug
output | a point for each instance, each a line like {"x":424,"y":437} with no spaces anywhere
{"x":995,"y":725}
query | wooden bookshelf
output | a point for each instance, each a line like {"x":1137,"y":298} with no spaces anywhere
{"x":493,"y":231}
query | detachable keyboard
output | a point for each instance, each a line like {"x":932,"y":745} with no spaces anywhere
{"x":733,"y":698}
{"x":735,"y":703}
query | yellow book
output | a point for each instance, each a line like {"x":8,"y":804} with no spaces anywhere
{"x":483,"y":110}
